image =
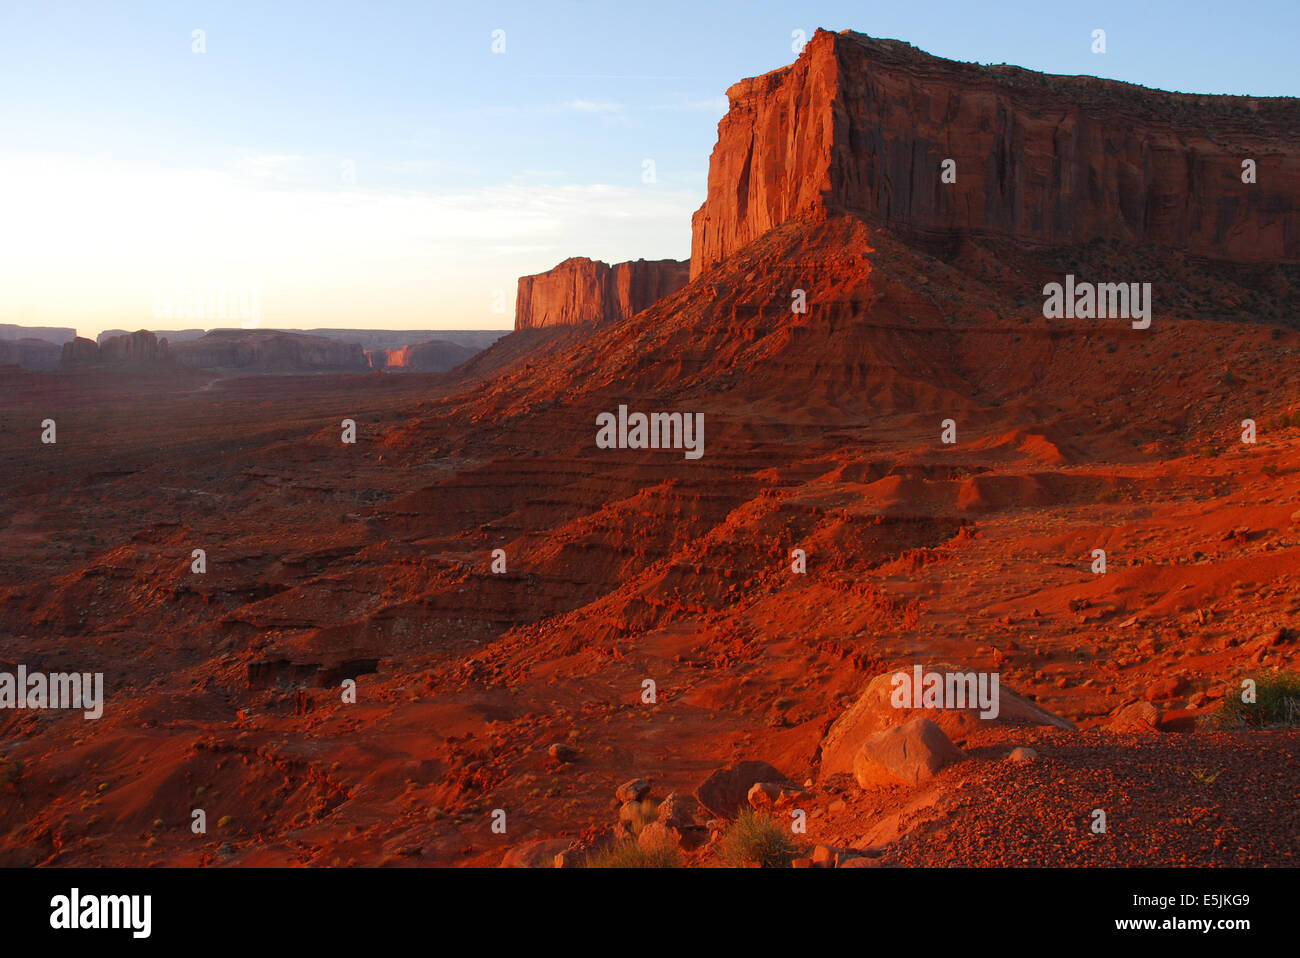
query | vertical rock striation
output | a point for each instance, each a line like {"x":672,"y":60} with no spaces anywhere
{"x":862,"y":125}
{"x":582,"y":290}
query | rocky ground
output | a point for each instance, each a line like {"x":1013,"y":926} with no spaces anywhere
{"x":525,"y":690}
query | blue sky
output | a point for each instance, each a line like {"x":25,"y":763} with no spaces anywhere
{"x":379,"y":165}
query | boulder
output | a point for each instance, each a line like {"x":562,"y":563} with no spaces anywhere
{"x":632,"y":791}
{"x":1136,"y":717}
{"x":562,"y":752}
{"x":726,"y":790}
{"x":680,"y":809}
{"x":874,"y":712}
{"x":909,"y":754}
{"x":536,"y":854}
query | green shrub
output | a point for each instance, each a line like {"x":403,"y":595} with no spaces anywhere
{"x":756,"y":838}
{"x":1277,"y":702}
{"x":629,"y":854}
{"x":11,"y":773}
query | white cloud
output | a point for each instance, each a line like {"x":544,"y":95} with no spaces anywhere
{"x":713,"y":104}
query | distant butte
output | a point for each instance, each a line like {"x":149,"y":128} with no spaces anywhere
{"x":582,"y":290}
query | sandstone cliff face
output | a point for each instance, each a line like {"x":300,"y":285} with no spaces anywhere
{"x":141,"y":348}
{"x":58,"y":335}
{"x":138,"y":348}
{"x":30,"y":353}
{"x":80,"y":352}
{"x":270,"y":351}
{"x":582,"y":290}
{"x":863,"y":125}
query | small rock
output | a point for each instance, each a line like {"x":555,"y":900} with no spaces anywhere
{"x":563,"y":752}
{"x":801,"y":863}
{"x":679,"y":809}
{"x":1023,"y":754}
{"x":633,"y":791}
{"x":772,"y":794}
{"x":861,"y":863}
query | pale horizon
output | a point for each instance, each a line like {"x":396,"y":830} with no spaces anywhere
{"x":401,"y":168}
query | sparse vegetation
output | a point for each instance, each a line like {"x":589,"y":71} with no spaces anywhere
{"x":11,"y":773}
{"x":756,"y":838}
{"x":629,"y":854}
{"x":1277,"y":703}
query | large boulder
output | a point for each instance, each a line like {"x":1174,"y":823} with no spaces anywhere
{"x":874,"y":712}
{"x":726,"y":790}
{"x":909,"y":754}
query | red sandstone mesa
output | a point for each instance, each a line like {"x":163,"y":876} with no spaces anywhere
{"x":432,"y":356}
{"x":862,"y":125}
{"x":582,"y":290}
{"x":141,"y":348}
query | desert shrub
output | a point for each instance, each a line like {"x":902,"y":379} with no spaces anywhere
{"x":629,"y":854}
{"x":1277,"y":702}
{"x":11,"y":773}
{"x":756,"y":838}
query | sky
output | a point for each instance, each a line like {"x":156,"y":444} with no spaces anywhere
{"x":398,"y":165}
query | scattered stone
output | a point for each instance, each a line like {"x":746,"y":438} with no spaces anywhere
{"x":837,"y":806}
{"x":1023,"y":753}
{"x":801,"y":863}
{"x":908,"y":755}
{"x":1166,"y":688}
